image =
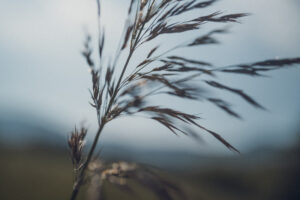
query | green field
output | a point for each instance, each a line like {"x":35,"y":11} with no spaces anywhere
{"x":42,"y":174}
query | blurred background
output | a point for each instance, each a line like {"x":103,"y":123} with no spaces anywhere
{"x":44,"y":84}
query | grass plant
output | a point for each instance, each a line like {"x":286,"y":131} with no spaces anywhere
{"x":116,"y":91}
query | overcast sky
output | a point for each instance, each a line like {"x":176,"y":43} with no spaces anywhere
{"x":43,"y":74}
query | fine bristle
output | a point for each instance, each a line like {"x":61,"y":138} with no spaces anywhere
{"x":167,"y":73}
{"x":116,"y":92}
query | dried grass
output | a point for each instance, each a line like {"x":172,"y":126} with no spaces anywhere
{"x":114,"y":95}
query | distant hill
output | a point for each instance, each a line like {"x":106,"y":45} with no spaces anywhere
{"x":26,"y":131}
{"x":20,"y":129}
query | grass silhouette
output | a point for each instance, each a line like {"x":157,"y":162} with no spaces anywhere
{"x":115,"y":94}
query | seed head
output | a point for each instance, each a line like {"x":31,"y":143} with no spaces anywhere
{"x":76,"y":144}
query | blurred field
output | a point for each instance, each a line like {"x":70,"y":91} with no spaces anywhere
{"x":38,"y":173}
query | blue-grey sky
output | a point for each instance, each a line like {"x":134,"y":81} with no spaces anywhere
{"x":42,"y":72}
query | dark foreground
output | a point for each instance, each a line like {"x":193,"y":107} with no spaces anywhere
{"x":37,"y":173}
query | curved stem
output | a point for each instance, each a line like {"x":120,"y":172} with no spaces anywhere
{"x":79,"y":181}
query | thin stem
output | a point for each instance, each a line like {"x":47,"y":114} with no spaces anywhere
{"x":78,"y":183}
